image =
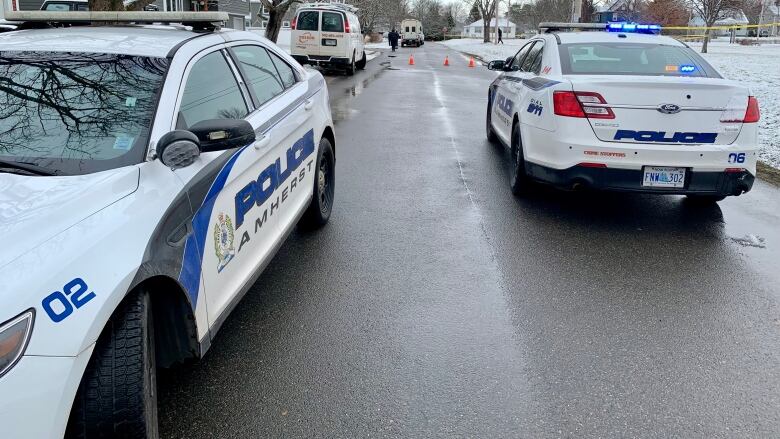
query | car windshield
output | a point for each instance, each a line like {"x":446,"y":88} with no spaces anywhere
{"x":77,"y":113}
{"x":632,"y":59}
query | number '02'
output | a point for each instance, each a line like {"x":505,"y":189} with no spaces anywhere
{"x":73,"y":296}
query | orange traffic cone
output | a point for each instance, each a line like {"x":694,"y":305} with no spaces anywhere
{"x":472,"y":63}
{"x":446,"y":61}
{"x":411,"y":60}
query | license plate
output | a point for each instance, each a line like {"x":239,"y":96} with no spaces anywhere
{"x":656,"y":176}
{"x":328,"y":42}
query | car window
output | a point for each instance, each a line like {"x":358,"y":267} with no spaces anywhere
{"x":308,"y":20}
{"x":211,"y":92}
{"x":407,"y":28}
{"x":534,"y":57}
{"x":77,"y":112}
{"x":285,"y":71}
{"x":260,"y":72}
{"x":82,"y":7}
{"x":332,"y":22}
{"x":518,"y":59}
{"x":633,"y":59}
{"x":57,"y":7}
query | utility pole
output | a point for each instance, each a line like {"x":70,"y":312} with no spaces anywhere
{"x":760,"y":20}
{"x":495,"y":17}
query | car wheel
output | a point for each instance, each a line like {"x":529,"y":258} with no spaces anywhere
{"x":351,"y":67}
{"x":362,"y":63}
{"x":705,"y":199}
{"x":117,"y":396}
{"x":518,"y":179}
{"x":491,"y":135}
{"x":318,"y":213}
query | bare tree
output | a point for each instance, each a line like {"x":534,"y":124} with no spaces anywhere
{"x":487,"y":9}
{"x":276,"y":11}
{"x":710,"y":11}
{"x":667,"y":12}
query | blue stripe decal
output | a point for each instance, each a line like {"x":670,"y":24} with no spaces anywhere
{"x":193,"y":248}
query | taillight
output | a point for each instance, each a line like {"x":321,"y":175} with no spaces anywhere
{"x":581,"y":104}
{"x":734,"y":111}
{"x":752,"y":114}
{"x":294,"y":23}
{"x":346,"y":25}
{"x":565,"y":103}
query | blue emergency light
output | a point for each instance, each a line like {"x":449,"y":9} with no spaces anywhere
{"x":633,"y":28}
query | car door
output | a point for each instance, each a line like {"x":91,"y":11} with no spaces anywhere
{"x":507,"y":94}
{"x":533,"y":96}
{"x":307,"y":38}
{"x":217,"y":185}
{"x":284,"y":125}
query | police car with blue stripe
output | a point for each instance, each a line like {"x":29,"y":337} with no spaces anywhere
{"x":148,"y":173}
{"x":618,"y":107}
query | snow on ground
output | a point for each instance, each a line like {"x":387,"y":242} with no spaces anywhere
{"x":755,"y":66}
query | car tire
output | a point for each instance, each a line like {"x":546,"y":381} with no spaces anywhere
{"x":117,"y":397}
{"x":318,"y":213}
{"x":491,"y":135}
{"x":351,"y":67}
{"x":519,"y":181}
{"x":362,"y":63}
{"x":705,"y":199}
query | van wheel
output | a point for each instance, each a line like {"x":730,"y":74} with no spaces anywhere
{"x":518,"y":179}
{"x":351,"y":67}
{"x":117,"y":396}
{"x":318,"y":213}
{"x":362,"y":63}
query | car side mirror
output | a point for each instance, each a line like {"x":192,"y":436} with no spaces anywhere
{"x":178,"y":149}
{"x":222,"y":134}
{"x":496,"y":65}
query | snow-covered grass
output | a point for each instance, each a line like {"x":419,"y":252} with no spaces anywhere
{"x":755,"y":66}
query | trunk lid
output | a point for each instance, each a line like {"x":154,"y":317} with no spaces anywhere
{"x":667,"y":110}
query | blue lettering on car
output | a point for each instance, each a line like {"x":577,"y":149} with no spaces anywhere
{"x":737,"y":157}
{"x":535,"y":107}
{"x":661,"y":137}
{"x":60,"y":305}
{"x":254,"y":193}
{"x":505,"y":104}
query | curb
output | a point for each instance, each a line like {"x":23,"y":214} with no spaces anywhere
{"x":768,"y":173}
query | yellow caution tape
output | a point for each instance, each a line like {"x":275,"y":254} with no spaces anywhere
{"x":733,"y":26}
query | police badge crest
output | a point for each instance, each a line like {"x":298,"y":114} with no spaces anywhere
{"x":223,"y":241}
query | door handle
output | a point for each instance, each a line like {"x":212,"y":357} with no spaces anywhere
{"x":308,"y":105}
{"x":263,"y":142}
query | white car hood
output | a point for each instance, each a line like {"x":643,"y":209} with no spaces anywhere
{"x":33,"y":209}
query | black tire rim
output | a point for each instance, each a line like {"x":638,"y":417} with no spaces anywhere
{"x":325,"y":184}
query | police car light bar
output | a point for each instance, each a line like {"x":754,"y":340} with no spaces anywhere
{"x":549,"y":26}
{"x":633,"y":28}
{"x":194,"y":19}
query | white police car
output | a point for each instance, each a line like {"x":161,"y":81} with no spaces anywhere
{"x":147,"y":176}
{"x":622,"y":108}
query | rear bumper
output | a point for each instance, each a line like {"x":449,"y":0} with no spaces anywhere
{"x":323,"y":61}
{"x":630,"y":180}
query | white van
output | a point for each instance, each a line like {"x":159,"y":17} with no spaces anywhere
{"x":412,"y":33}
{"x":328,"y":35}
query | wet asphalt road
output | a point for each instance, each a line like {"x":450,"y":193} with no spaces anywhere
{"x":435,"y":304}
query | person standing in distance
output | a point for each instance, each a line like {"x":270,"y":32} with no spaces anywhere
{"x":393,"y":38}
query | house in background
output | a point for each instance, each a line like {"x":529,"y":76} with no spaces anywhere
{"x":614,"y":10}
{"x":733,"y":17}
{"x":475,"y":29}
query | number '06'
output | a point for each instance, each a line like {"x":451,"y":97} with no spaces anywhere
{"x":59,"y":305}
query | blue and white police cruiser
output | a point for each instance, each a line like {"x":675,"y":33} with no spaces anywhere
{"x":148,"y":173}
{"x":622,"y":108}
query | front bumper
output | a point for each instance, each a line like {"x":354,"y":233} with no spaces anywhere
{"x":322,"y":61}
{"x":37,"y":394}
{"x":630,"y":180}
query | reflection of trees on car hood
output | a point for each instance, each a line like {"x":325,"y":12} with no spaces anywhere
{"x":80,"y":106}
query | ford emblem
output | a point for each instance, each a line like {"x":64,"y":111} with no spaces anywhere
{"x":669,"y":108}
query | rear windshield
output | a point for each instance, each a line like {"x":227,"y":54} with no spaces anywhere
{"x":633,"y":59}
{"x":77,"y":113}
{"x":332,"y":22}
{"x":308,"y":20}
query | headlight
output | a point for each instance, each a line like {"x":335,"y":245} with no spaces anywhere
{"x":14,"y":336}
